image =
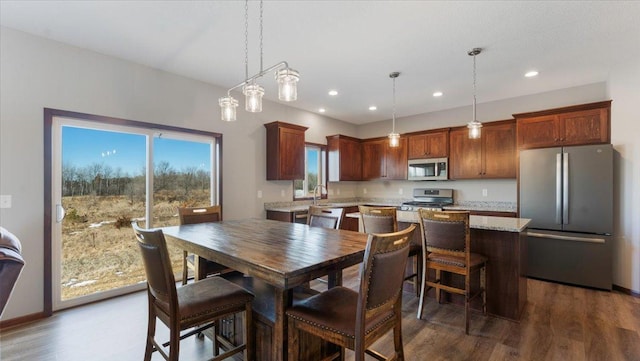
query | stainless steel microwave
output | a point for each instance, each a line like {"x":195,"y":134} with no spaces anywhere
{"x":428,"y":169}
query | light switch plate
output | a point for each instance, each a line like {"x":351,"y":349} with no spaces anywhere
{"x":5,"y":201}
{"x":259,"y":194}
{"x":484,"y":192}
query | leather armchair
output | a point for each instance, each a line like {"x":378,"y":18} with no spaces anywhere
{"x":11,"y":263}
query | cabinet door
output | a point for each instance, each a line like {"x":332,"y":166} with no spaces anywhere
{"x":585,"y":127}
{"x":291,"y":154}
{"x":396,"y":160}
{"x":539,"y":132}
{"x":438,"y":145}
{"x":350,"y":160}
{"x":430,"y":145}
{"x":373,"y":160}
{"x":465,"y":155}
{"x":499,"y":151}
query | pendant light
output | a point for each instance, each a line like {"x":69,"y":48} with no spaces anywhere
{"x":394,"y":138}
{"x":475,"y":127}
{"x":286,"y":78}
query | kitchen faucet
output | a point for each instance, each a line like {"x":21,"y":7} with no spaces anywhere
{"x":315,"y":189}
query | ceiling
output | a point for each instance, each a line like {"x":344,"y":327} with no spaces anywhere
{"x":352,"y":46}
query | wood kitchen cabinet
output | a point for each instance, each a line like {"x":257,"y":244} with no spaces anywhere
{"x":491,"y":156}
{"x":380,"y":161}
{"x":434,"y":144}
{"x":574,"y":125}
{"x":285,"y":151}
{"x":345,"y":158}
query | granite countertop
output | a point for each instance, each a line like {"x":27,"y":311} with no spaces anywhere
{"x":505,"y":224}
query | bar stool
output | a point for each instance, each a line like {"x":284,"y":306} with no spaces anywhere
{"x":447,"y":248}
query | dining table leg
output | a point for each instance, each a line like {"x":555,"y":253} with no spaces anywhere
{"x":334,"y":279}
{"x":283,"y":300}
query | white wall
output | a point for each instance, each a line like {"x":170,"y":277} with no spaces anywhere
{"x":624,"y":89}
{"x":36,"y":73}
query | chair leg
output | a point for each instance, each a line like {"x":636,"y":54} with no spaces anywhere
{"x":185,"y":268}
{"x":418,"y":280}
{"x":438,"y":286}
{"x":423,"y":291}
{"x":216,"y":332}
{"x":467,"y":292}
{"x":397,"y":333}
{"x":151,"y":332}
{"x":174,"y":342}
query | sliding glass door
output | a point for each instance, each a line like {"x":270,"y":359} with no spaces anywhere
{"x":104,"y":176}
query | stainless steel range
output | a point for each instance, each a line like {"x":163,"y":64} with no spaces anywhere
{"x":429,"y":198}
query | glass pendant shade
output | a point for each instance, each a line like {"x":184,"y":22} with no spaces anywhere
{"x":287,"y":84}
{"x":475,"y":128}
{"x":228,"y":107}
{"x":394,"y":140}
{"x":253,"y":97}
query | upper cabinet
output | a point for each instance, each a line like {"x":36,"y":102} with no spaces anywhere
{"x":491,"y":156}
{"x":285,"y":151}
{"x":380,"y":161}
{"x":574,"y":125}
{"x":345,"y":158}
{"x":429,"y":145}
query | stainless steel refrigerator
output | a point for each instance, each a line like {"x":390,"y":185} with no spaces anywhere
{"x":568,"y":194}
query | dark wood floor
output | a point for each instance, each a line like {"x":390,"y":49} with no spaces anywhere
{"x":559,"y":323}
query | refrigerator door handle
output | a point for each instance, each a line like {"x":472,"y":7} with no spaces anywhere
{"x":565,"y":187}
{"x":559,"y":188}
{"x":566,"y":238}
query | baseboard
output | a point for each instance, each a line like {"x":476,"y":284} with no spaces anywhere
{"x":21,"y":320}
{"x":626,"y":291}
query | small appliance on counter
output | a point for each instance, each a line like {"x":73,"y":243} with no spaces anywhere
{"x":429,"y":198}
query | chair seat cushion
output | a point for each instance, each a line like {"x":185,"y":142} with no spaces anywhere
{"x":208,"y":296}
{"x":335,"y":310}
{"x":475,"y":259}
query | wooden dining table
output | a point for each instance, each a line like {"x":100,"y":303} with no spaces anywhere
{"x":284,"y":255}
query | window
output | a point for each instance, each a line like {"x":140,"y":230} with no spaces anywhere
{"x":315,"y":164}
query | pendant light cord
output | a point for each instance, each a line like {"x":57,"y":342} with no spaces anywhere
{"x":261,"y":68}
{"x":246,"y":39}
{"x":393,"y":126}
{"x":474,"y":88}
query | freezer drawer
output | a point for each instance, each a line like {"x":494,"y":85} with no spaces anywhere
{"x":570,"y":258}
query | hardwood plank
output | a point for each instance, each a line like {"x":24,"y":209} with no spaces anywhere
{"x":598,"y":325}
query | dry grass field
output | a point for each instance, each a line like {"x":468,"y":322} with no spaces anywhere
{"x":99,"y":251}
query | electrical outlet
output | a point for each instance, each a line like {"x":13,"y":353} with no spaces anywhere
{"x":484,"y":192}
{"x":400,"y":191}
{"x":338,"y":191}
{"x":259,"y":194}
{"x":364,"y":190}
{"x":5,"y":201}
{"x":282,"y":193}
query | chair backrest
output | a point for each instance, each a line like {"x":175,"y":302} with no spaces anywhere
{"x":445,"y":232}
{"x":325,"y":217}
{"x":382,"y":274}
{"x":157,"y":265}
{"x":191,"y":215}
{"x":11,"y":264}
{"x":378,"y":219}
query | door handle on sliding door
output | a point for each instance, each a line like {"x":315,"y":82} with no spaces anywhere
{"x":59,"y":213}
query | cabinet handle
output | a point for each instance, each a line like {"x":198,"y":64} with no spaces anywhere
{"x":557,"y":139}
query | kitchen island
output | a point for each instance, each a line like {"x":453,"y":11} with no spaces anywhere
{"x":502,"y":240}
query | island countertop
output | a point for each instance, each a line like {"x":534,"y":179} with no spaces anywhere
{"x":504,"y":224}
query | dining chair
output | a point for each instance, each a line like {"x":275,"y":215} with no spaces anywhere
{"x":196,"y":305}
{"x":325,"y":217}
{"x":201,"y":267}
{"x":447,"y":248}
{"x":355,"y":320}
{"x":384,"y":220}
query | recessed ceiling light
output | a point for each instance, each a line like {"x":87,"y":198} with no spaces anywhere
{"x":437,"y":94}
{"x":531,"y":74}
{"x":322,"y":110}
{"x":333,"y":92}
{"x":373,"y":107}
